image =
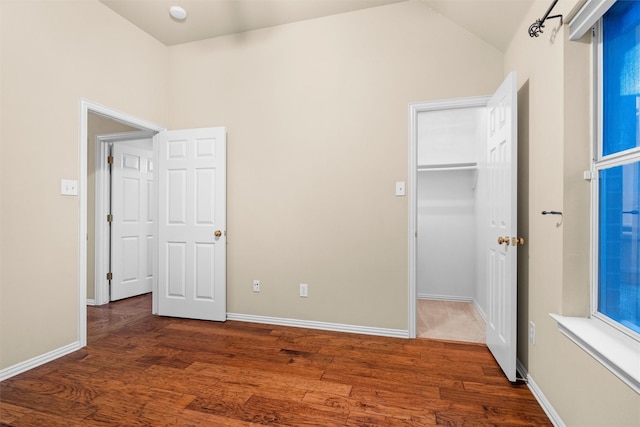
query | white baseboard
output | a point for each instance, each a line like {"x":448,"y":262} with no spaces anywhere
{"x":521,"y":369}
{"x":324,"y":326}
{"x":444,"y":297}
{"x":480,"y":311}
{"x":38,"y":360}
{"x":91,"y":302}
{"x":548,"y":409}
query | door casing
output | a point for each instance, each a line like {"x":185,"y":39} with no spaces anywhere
{"x":86,"y":107}
{"x":501,"y":301}
{"x":102,"y":209}
{"x":415,"y":109}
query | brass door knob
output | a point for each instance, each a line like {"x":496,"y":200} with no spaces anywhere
{"x":217,"y":233}
{"x":517,"y":241}
{"x":502,"y":240}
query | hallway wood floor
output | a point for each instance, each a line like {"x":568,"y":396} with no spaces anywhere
{"x":143,"y":370}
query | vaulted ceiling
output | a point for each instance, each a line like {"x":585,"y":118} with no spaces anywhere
{"x":494,"y":21}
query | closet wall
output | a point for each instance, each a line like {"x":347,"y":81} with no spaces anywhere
{"x":451,"y":145}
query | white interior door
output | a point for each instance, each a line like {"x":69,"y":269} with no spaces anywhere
{"x":192,"y":223}
{"x":132,"y":225}
{"x":502,"y":155}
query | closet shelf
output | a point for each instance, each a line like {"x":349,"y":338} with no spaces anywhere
{"x":448,"y":167}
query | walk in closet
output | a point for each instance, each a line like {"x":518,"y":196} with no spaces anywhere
{"x":451,"y":145}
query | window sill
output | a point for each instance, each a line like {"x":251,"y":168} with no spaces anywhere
{"x":616,"y":351}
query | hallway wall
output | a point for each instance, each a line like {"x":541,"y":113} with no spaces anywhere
{"x":53,"y":53}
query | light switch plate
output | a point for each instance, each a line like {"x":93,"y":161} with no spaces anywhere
{"x":400,"y":190}
{"x":69,"y":187}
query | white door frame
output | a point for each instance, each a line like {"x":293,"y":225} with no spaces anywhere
{"x":87,"y":106}
{"x":102,"y":209}
{"x":414,"y":109}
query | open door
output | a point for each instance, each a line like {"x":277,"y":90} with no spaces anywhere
{"x":502,"y":172}
{"x":192,"y":223}
{"x":132,"y":225}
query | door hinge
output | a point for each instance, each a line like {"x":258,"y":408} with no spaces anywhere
{"x":110,"y":160}
{"x":109,"y":218}
{"x":109,"y":276}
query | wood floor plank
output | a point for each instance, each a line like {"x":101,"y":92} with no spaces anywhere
{"x":10,"y":413}
{"x":459,"y":414}
{"x":35,"y":418}
{"x":271,"y":411}
{"x":144,"y":370}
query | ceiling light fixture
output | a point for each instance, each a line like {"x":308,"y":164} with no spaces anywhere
{"x":178,"y":13}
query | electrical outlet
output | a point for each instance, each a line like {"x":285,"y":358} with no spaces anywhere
{"x":69,"y":187}
{"x":532,"y":332}
{"x":256,"y":286}
{"x":304,"y":290}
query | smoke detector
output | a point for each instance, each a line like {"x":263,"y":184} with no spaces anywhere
{"x":178,"y":13}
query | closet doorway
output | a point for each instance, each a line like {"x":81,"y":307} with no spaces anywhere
{"x":450,"y":195}
{"x":463,"y":216}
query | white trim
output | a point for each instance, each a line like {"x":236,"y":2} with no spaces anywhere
{"x":413,"y":219}
{"x":87,"y":106}
{"x":91,"y":301}
{"x":324,"y":326}
{"x":587,"y":16}
{"x":34,"y":362}
{"x":594,"y":149}
{"x":414,"y":109}
{"x":546,"y":406}
{"x":606,"y":341}
{"x":101,"y":286}
{"x":82,"y":232}
{"x":616,"y":351}
{"x":102,"y":184}
{"x":521,"y":369}
{"x":452,"y":298}
{"x":480,"y":311}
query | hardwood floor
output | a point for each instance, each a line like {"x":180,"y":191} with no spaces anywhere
{"x":143,"y":370}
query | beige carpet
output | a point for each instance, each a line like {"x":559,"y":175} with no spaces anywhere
{"x":449,"y":320}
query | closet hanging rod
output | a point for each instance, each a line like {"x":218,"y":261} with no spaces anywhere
{"x":536,"y":28}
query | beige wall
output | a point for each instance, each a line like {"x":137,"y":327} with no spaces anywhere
{"x":97,"y":125}
{"x":317,"y":118}
{"x":554,"y":76}
{"x":54,"y":53}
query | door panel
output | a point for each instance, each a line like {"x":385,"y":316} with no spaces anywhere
{"x":132,"y":225}
{"x":192,"y":207}
{"x":502,"y":174}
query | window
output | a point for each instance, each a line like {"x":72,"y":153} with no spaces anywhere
{"x":611,"y":335}
{"x":617,"y":164}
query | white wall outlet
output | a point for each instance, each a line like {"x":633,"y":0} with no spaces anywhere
{"x":304,"y":290}
{"x":69,"y":187}
{"x":256,"y":286}
{"x":532,"y":332}
{"x":400,"y":188}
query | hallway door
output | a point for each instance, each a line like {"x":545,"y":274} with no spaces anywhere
{"x":132,"y":220}
{"x":192,"y":223}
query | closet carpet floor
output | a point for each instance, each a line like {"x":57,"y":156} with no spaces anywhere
{"x":450,"y":320}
